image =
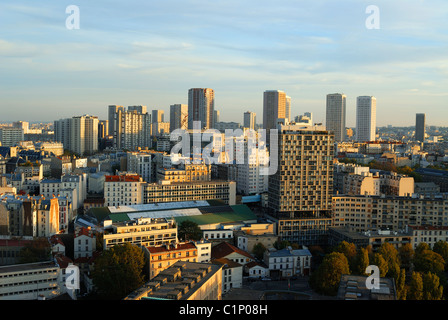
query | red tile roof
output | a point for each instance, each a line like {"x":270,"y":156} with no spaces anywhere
{"x":226,"y":262}
{"x":180,"y":246}
{"x":83,"y":231}
{"x":63,"y":261}
{"x":54,"y":240}
{"x":123,"y":178}
{"x":223,"y":249}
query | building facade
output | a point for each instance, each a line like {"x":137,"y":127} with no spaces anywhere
{"x":420,"y":127}
{"x":132,"y":128}
{"x":201,"y":105}
{"x":123,"y":189}
{"x":274,"y":107}
{"x":168,"y":191}
{"x":336,"y":114}
{"x":143,"y":232}
{"x":366,"y":118}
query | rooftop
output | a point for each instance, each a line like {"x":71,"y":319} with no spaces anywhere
{"x":177,"y":282}
{"x":223,"y":249}
{"x":27,"y":267}
{"x":353,"y":287}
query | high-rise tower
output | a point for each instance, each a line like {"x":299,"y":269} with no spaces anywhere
{"x":335,"y":115}
{"x":201,"y":105}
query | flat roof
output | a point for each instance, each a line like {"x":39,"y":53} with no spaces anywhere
{"x":158,"y":206}
{"x":27,"y":267}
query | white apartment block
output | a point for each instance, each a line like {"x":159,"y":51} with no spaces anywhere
{"x":78,"y":134}
{"x":31,"y":281}
{"x":123,"y":189}
{"x":10,"y":136}
{"x":132,"y":128}
{"x":366,"y":118}
{"x":143,"y":232}
{"x":84,"y":243}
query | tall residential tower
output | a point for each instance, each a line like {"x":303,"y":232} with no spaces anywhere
{"x":201,"y":105}
{"x":335,"y":115}
{"x":366,"y":118}
{"x":420,"y":127}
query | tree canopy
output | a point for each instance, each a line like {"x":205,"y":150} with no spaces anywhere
{"x":327,"y":277}
{"x":118,"y":271}
{"x":36,"y":251}
{"x":418,"y":274}
{"x":189,"y":230}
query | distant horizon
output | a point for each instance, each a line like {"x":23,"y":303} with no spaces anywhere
{"x":151,"y":53}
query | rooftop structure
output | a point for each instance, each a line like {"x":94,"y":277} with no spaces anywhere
{"x":183,"y":281}
{"x":354,"y":288}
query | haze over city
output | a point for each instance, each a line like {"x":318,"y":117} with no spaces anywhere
{"x":151,"y":53}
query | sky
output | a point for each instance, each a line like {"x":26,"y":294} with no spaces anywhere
{"x":151,"y":52}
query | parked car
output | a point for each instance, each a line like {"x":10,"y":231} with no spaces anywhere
{"x":265,"y":279}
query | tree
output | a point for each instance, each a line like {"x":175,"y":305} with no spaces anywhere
{"x":189,"y":230}
{"x":401,"y":285}
{"x":389,"y":253}
{"x":349,"y":250}
{"x":327,"y":277}
{"x":421,"y":247}
{"x":258,"y":250}
{"x":35,"y":251}
{"x":441,"y":247}
{"x":381,"y":263}
{"x":282,"y":244}
{"x":393,"y":270}
{"x":406,"y":254}
{"x":429,"y":261}
{"x":432,"y":289}
{"x":361,"y":261}
{"x":415,"y":290}
{"x":118,"y":271}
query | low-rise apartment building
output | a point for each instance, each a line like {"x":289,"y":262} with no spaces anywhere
{"x":365,"y":213}
{"x":167,"y":191}
{"x":31,"y":281}
{"x":162,"y":257}
{"x":123,"y":189}
{"x":183,"y":281}
{"x":287,"y":262}
{"x":373,"y":238}
{"x":143,"y":232}
{"x":427,"y":234}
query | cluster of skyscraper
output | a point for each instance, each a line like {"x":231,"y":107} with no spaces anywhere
{"x":365,"y":117}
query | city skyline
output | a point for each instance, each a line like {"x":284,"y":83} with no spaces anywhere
{"x":138,"y":54}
